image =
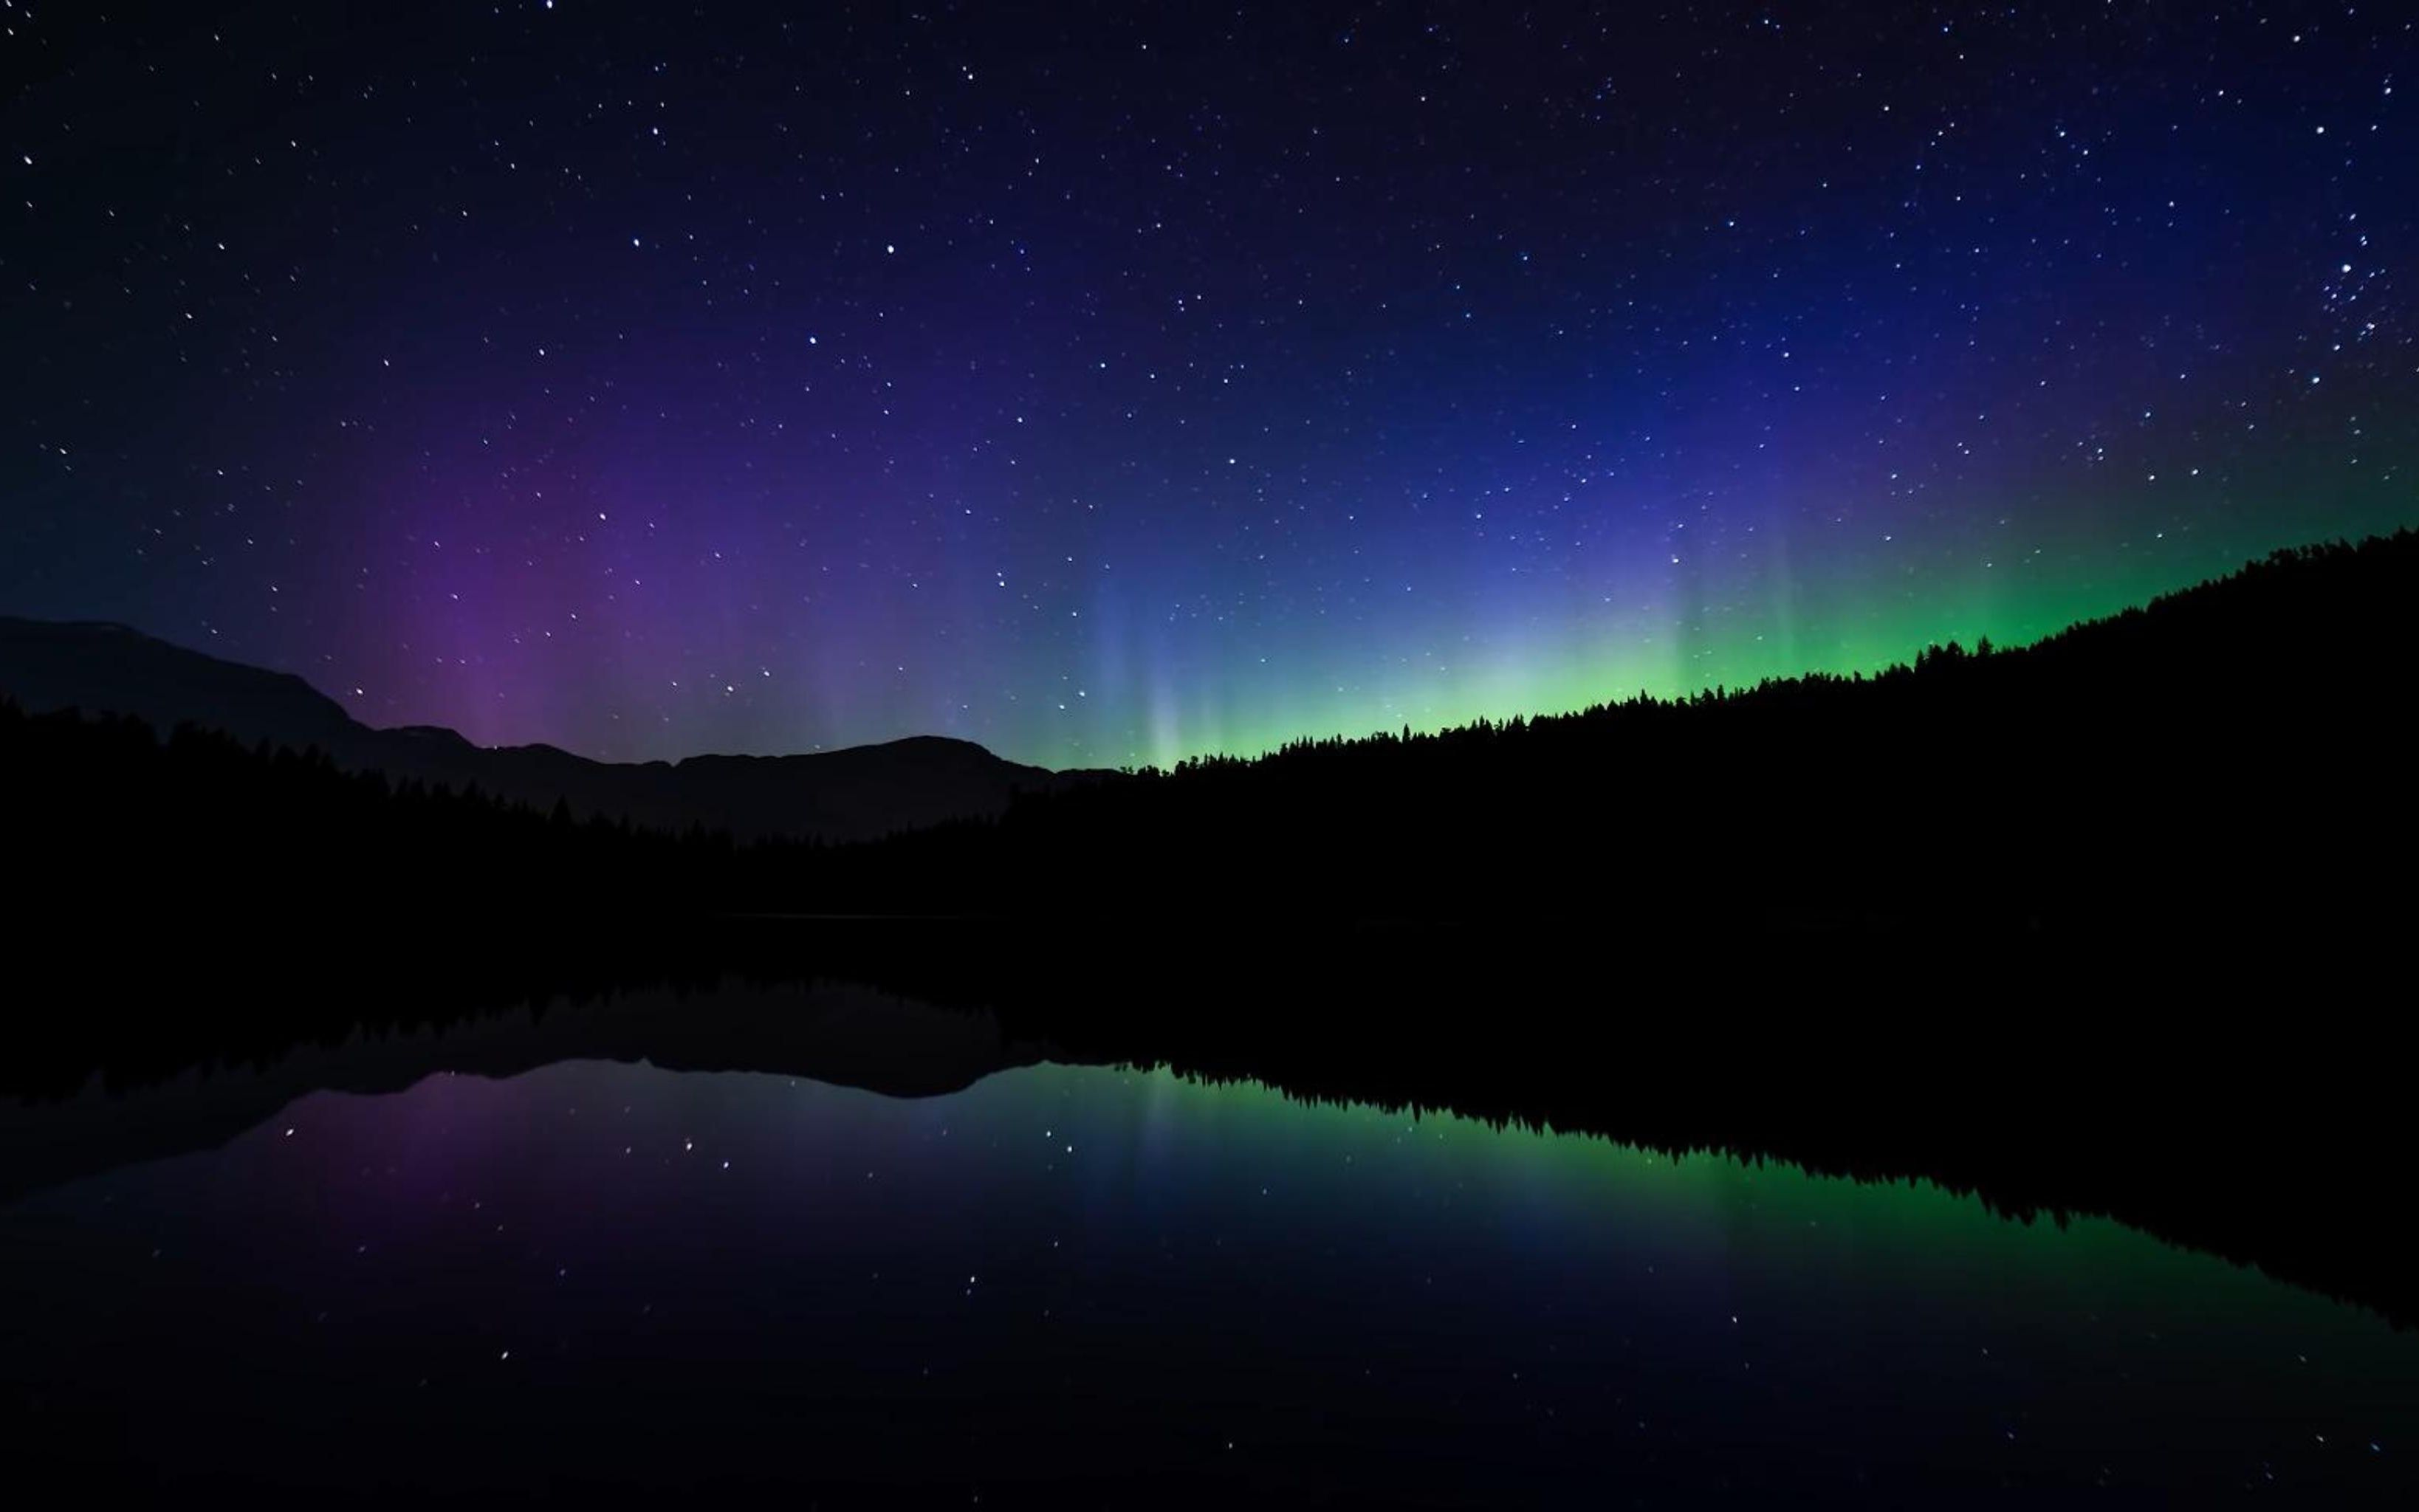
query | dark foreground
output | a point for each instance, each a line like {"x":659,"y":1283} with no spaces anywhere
{"x":963,"y":1245}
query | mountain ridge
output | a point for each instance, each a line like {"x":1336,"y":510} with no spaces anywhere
{"x":855,"y":793}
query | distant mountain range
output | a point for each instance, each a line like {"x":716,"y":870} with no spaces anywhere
{"x":861,"y":792}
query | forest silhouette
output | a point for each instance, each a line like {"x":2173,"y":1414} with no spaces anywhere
{"x":2228,"y":762}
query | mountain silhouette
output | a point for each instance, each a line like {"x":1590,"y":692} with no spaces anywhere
{"x":861,"y":792}
{"x":2224,"y":767}
{"x":101,"y":668}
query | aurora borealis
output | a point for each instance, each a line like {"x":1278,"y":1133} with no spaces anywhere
{"x":1108,"y":384}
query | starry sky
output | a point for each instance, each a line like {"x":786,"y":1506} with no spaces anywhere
{"x":1112,"y":383}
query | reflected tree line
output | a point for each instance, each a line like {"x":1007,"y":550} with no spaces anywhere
{"x":2229,"y":756}
{"x":2250,"y":1108}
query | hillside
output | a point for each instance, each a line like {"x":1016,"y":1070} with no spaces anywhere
{"x":2235,"y":751}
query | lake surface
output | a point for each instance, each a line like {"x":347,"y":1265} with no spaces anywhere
{"x":1097,"y":1285}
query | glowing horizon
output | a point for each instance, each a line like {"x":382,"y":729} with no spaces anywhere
{"x":705,"y":398}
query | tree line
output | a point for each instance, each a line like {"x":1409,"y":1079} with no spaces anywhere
{"x":2231,"y":752}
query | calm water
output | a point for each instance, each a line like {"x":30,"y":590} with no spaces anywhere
{"x":1110,"y":1286}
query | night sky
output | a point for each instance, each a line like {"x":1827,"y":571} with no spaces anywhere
{"x":1113,"y":383}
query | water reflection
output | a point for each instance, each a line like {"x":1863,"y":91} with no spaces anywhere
{"x":1094,"y":1285}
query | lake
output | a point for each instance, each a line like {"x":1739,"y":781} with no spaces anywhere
{"x":1089,"y":1284}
